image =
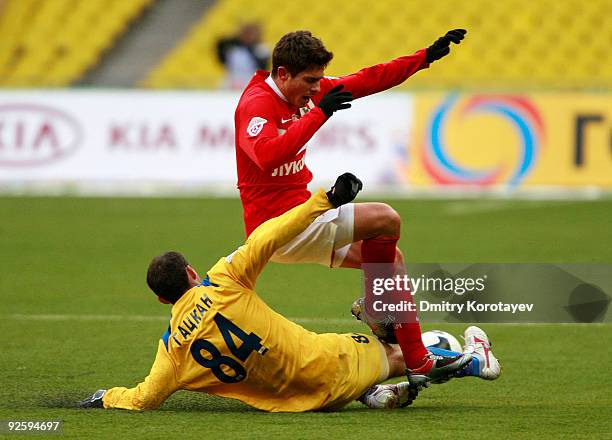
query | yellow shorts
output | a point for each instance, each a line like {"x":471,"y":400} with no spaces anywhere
{"x":362,"y":363}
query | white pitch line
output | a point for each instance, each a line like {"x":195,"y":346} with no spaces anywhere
{"x":23,"y":317}
{"x":66,"y":317}
{"x":299,"y":320}
{"x":324,"y":320}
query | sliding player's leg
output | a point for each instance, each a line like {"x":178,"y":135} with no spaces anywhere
{"x":364,"y":362}
{"x":401,"y":394}
{"x":483,"y":364}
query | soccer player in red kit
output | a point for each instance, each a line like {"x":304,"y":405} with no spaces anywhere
{"x":276,"y":116}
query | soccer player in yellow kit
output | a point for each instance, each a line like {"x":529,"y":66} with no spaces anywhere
{"x":224,"y":340}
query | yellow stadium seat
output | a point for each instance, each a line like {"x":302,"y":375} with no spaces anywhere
{"x":54,"y":42}
{"x":510,"y":44}
{"x":515,"y":43}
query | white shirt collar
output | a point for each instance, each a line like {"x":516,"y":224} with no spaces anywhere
{"x":274,"y":87}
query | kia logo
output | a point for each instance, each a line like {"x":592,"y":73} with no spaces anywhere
{"x":32,"y":134}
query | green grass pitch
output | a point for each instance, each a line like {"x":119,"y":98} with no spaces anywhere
{"x":76,"y":316}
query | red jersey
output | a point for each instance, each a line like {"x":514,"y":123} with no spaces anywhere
{"x":271,"y":135}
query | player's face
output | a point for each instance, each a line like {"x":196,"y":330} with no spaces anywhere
{"x":300,"y":88}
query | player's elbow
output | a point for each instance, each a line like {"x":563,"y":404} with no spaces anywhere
{"x":265,"y":155}
{"x":147,"y":398}
{"x":265,"y":164}
{"x":137,"y":404}
{"x":145,"y":403}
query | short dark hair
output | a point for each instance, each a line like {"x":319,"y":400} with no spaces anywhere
{"x":298,"y":51}
{"x":167,"y":277}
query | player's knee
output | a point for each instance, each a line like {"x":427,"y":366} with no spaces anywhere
{"x":388,"y":221}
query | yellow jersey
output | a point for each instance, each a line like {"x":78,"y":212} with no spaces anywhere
{"x":224,"y":340}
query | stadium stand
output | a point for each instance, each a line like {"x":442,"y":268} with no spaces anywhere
{"x":538,"y":44}
{"x":511,"y":44}
{"x":52,"y":43}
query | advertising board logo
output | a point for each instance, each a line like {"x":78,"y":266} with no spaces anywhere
{"x":32,"y":134}
{"x":518,"y":112}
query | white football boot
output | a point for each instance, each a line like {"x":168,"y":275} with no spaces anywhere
{"x":477,"y":344}
{"x":381,"y":397}
{"x":394,"y":395}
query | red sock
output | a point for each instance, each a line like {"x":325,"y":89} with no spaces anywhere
{"x":408,"y":334}
{"x":409,"y":339}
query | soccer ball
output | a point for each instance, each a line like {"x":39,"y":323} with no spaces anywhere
{"x":440,"y":339}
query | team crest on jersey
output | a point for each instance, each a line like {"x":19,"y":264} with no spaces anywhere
{"x":255,"y":126}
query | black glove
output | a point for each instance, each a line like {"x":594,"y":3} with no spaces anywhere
{"x":93,"y":401}
{"x":441,"y":46}
{"x":415,"y":384}
{"x":335,"y":100}
{"x":345,"y":189}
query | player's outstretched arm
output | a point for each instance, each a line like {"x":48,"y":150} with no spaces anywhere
{"x":248,"y":261}
{"x":379,"y":77}
{"x":149,"y":394}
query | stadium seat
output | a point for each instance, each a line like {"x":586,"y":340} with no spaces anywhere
{"x":47,"y":43}
{"x":516,"y":43}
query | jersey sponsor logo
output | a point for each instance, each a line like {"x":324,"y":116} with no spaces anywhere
{"x":289,"y":168}
{"x":255,"y":126}
{"x":284,"y":121}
